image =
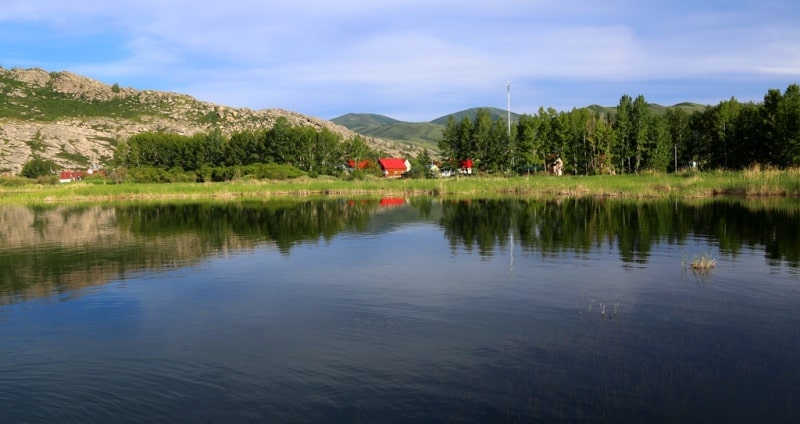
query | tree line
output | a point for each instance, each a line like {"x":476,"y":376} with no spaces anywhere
{"x":632,"y":139}
{"x":282,"y":151}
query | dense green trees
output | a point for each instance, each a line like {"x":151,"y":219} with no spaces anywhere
{"x":633,"y":138}
{"x":484,"y":140}
{"x":281,"y":151}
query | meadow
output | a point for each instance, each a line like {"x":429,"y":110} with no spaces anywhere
{"x":751,"y":182}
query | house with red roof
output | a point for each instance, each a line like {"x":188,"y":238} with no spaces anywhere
{"x":364,"y":164}
{"x":465,"y":166}
{"x":67,"y":175}
{"x":394,"y":167}
{"x":70,"y":175}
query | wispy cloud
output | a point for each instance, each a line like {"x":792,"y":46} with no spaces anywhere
{"x":413,"y":59}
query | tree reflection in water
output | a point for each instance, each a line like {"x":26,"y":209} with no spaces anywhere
{"x":52,"y":249}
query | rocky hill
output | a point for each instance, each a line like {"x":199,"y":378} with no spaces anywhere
{"x":77,"y":122}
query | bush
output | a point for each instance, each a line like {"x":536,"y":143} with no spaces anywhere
{"x":261,"y":171}
{"x":13,"y":181}
{"x":222,"y":173}
{"x":96,"y":179}
{"x":270,"y":171}
{"x":48,"y":180}
{"x":147,"y":174}
{"x":38,"y":167}
{"x":356,"y":175}
{"x":178,"y":175}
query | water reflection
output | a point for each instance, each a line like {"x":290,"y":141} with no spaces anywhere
{"x":48,"y":250}
{"x":580,"y":225}
{"x":362,"y":310}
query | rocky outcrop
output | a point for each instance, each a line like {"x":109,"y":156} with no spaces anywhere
{"x":76,"y":121}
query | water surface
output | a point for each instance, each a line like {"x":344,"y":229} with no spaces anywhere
{"x":428,"y":311}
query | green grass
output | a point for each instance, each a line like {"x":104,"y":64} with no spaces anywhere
{"x":749,"y":183}
{"x":30,"y":102}
{"x":44,"y":104}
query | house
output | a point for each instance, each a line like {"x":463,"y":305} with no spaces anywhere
{"x":364,"y":164}
{"x":67,"y":176}
{"x":465,"y":166}
{"x":394,"y":167}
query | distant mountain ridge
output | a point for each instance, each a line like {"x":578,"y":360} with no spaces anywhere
{"x":428,"y":134}
{"x":77,"y":122}
{"x":422,"y":134}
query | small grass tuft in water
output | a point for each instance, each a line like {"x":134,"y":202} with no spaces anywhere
{"x":703,"y":262}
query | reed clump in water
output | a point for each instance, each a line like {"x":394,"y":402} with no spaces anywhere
{"x":703,"y":262}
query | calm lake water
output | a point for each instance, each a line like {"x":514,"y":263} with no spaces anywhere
{"x":400,"y":310}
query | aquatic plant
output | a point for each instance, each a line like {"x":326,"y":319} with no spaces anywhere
{"x":703,"y":262}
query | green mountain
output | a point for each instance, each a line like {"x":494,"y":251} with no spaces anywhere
{"x":422,"y":134}
{"x":365,"y":122}
{"x":428,"y":134}
{"x":655,"y":108}
{"x":494,"y":112}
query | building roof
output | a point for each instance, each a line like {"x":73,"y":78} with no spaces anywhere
{"x":392,"y":163}
{"x":364,"y":164}
{"x":68,"y":174}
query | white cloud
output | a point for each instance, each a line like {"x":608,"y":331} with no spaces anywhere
{"x":398,"y":54}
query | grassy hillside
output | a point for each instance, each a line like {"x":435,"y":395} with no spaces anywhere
{"x":422,"y":134}
{"x":363,"y":123}
{"x":655,"y":109}
{"x":428,"y":134}
{"x":472,"y":113}
{"x":76,"y":121}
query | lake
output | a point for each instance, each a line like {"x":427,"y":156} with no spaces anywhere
{"x":401,"y":310}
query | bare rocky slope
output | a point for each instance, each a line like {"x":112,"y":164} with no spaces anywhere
{"x":77,"y":122}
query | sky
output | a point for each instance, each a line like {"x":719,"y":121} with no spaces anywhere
{"x":415,"y":60}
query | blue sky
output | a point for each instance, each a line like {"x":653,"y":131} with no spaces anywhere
{"x":414,"y":60}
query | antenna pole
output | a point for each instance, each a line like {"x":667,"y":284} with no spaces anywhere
{"x":508,"y":95}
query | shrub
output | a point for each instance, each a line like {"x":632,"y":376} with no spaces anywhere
{"x":38,"y":167}
{"x":270,"y":171}
{"x":13,"y":181}
{"x":47,"y":180}
{"x":356,"y":175}
{"x":96,"y":178}
{"x":147,"y":174}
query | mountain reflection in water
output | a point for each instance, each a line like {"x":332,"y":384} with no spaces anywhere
{"x":400,"y":310}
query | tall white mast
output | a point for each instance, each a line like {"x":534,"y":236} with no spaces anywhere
{"x":508,"y":95}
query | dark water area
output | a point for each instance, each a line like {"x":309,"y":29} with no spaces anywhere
{"x":401,"y":310}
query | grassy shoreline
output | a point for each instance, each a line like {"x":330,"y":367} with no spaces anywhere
{"x":754,"y":182}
